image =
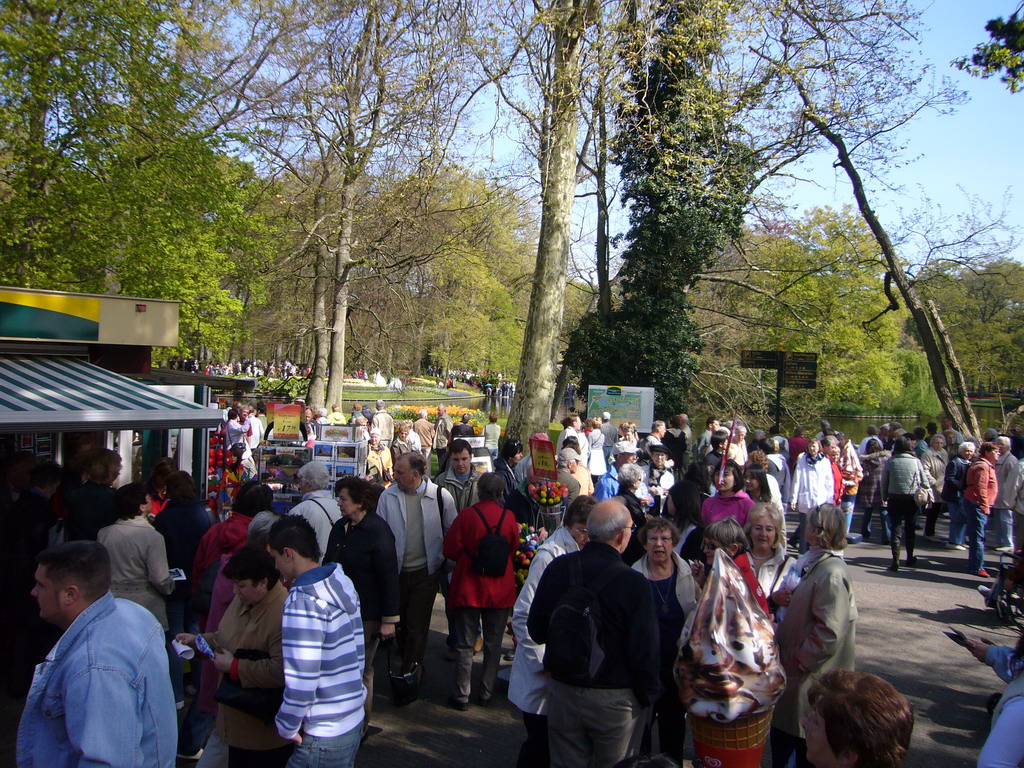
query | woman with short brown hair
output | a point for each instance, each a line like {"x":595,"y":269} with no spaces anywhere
{"x":857,"y":720}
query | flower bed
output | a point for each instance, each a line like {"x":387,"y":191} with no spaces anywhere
{"x":477,"y":418}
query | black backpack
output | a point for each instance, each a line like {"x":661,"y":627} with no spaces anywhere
{"x":573,"y":651}
{"x":491,"y":557}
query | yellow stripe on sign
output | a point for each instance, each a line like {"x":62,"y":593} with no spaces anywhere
{"x":84,"y":307}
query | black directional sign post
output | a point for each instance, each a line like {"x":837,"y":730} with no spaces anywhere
{"x":792,"y":369}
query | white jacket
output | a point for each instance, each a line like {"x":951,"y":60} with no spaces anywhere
{"x":813,"y":484}
{"x":528,"y":684}
{"x":436,"y":521}
{"x":321,"y":510}
{"x":771,"y":573}
{"x":595,"y":462}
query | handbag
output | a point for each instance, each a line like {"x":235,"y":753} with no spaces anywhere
{"x":258,"y":702}
{"x":923,"y":493}
{"x":405,"y":688}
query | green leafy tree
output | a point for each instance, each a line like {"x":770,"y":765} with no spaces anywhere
{"x":1003,"y":55}
{"x":813,"y":285}
{"x":685,"y":178}
{"x":110,"y":180}
{"x":982,"y":306}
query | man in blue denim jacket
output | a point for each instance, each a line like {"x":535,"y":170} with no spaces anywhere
{"x":103,"y":695}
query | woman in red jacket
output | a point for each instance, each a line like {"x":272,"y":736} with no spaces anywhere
{"x":473,"y":597}
{"x":979,"y":495}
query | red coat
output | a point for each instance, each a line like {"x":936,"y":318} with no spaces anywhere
{"x":468,"y":589}
{"x":981,"y":485}
{"x":837,"y":483}
{"x":797,"y":445}
{"x":221,"y":539}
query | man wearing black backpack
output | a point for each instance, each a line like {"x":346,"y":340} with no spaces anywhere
{"x":595,"y":616}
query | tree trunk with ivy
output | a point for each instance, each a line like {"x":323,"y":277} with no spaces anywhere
{"x":537,"y":365}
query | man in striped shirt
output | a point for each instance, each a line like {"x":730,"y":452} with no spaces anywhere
{"x":322,"y":642}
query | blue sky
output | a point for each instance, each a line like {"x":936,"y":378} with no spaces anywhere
{"x":975,"y":151}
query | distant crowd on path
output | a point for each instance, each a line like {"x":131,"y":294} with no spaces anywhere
{"x":147,"y":570}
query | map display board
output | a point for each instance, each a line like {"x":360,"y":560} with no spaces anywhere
{"x":634,"y":404}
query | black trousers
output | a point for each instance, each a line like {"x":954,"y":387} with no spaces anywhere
{"x":903,"y":511}
{"x":259,"y":758}
{"x":786,"y":746}
{"x":534,"y":752}
{"x":670,"y":713}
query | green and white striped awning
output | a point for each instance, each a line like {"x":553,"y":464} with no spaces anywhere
{"x":65,"y":394}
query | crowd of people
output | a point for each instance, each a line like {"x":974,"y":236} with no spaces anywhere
{"x":279,"y":617}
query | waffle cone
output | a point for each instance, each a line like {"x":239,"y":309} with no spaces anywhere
{"x":744,"y":737}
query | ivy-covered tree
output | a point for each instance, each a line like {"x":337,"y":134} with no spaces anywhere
{"x":1002,"y":55}
{"x":685,"y":178}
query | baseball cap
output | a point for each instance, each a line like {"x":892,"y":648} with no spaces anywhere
{"x":606,"y":416}
{"x":623,"y":447}
{"x":568,"y":454}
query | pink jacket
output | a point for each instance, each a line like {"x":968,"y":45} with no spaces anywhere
{"x":718,"y":507}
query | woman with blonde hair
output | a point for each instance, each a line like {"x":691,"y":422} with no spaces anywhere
{"x":766,"y":531}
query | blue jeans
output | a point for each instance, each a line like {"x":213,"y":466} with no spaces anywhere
{"x":883,"y":519}
{"x":976,"y":522}
{"x":179,"y":619}
{"x":848,"y":502}
{"x":196,"y":726}
{"x":801,"y":540}
{"x":327,"y":752}
{"x":1002,"y":520}
{"x":957,"y":521}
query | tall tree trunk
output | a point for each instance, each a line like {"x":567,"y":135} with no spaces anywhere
{"x":321,"y":333}
{"x":604,"y":286}
{"x":560,"y":384}
{"x":531,"y":407}
{"x":960,"y":411}
{"x":339,"y":296}
{"x":953,"y":363}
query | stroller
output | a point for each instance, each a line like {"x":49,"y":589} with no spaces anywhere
{"x":1008,"y":601}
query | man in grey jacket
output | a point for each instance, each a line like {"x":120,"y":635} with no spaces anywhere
{"x":459,"y":479}
{"x":419,"y":514}
{"x":1006,"y":500}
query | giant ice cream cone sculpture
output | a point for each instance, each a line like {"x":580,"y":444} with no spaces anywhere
{"x":728,"y":671}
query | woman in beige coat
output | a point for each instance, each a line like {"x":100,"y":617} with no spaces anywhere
{"x":138,"y":556}
{"x":251,"y":624}
{"x":817,"y":632}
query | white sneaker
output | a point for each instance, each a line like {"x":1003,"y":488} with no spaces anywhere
{"x":985,"y":591}
{"x":951,"y":545}
{"x":1005,"y":550}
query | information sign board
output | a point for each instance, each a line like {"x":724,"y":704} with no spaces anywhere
{"x":759,"y":358}
{"x":800,"y":370}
